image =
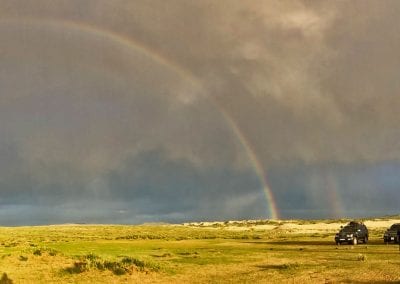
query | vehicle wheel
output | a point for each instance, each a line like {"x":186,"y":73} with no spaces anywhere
{"x":355,"y":241}
{"x":366,"y":239}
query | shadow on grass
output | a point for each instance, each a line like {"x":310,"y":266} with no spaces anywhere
{"x":282,"y":267}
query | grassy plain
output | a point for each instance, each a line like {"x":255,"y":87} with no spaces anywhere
{"x":232,"y":252}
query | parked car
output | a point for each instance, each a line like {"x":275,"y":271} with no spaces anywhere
{"x":352,"y":233}
{"x":391,"y":234}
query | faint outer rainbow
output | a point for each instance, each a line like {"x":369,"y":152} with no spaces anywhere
{"x":331,"y":188}
{"x":273,"y":211}
{"x":132,"y":44}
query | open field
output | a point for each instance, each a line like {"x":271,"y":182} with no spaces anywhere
{"x":294,"y":251}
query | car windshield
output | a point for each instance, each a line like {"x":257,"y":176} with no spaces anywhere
{"x":395,"y":227}
{"x":348,"y":229}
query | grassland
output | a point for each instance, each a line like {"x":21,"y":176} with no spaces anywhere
{"x":221,"y":252}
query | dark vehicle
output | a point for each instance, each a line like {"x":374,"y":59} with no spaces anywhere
{"x":352,"y":233}
{"x":391,"y":234}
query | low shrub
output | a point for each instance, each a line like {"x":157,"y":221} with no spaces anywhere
{"x":5,"y":280}
{"x":23,"y":258}
{"x":121,"y":267}
{"x":77,"y":267}
{"x":361,"y":257}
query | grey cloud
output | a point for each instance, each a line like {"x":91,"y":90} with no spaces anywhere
{"x":153,"y":181}
{"x":327,"y":190}
{"x":308,"y":85}
{"x":147,"y":187}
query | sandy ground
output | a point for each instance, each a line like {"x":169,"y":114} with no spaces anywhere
{"x":323,"y":227}
{"x":381,"y":223}
{"x":292,"y":225}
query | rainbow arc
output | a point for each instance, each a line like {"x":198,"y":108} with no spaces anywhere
{"x":136,"y":46}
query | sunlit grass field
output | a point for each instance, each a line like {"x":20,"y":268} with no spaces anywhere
{"x":230,"y":252}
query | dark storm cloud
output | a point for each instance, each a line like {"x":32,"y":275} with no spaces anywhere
{"x":147,"y":187}
{"x":311,"y":86}
{"x":354,"y":190}
{"x":152,"y":182}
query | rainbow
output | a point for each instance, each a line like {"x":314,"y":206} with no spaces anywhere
{"x":132,"y":44}
{"x":251,"y":154}
{"x":331,"y":188}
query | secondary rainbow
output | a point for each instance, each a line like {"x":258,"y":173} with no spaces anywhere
{"x":132,"y":44}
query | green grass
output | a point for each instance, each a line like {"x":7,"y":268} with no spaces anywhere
{"x":191,"y":254}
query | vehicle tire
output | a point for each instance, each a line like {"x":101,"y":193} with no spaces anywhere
{"x":366,"y":239}
{"x":355,"y":241}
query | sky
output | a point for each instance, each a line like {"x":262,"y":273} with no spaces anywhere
{"x":175,"y":111}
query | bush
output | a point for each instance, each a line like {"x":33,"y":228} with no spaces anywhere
{"x":361,"y":257}
{"x":23,"y":258}
{"x":42,"y":250}
{"x":115,"y":267}
{"x":5,"y":280}
{"x":91,"y":257}
{"x":137,"y":262}
{"x":77,"y":267}
{"x":52,"y":252}
{"x":121,"y":267}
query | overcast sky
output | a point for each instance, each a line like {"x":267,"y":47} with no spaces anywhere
{"x":149,"y":111}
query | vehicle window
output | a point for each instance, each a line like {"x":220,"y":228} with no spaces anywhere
{"x":395,"y":227}
{"x":348,"y":229}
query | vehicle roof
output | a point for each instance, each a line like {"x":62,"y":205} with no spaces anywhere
{"x":355,"y":225}
{"x":352,"y":223}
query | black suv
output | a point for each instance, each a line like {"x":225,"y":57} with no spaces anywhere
{"x":391,"y":234}
{"x":352,"y":233}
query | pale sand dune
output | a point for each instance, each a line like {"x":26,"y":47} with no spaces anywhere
{"x":294,"y":226}
{"x":380,"y":223}
{"x":324,"y":227}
